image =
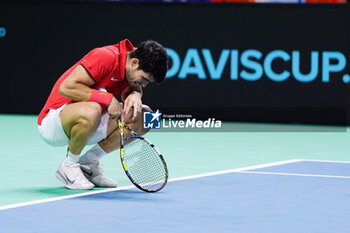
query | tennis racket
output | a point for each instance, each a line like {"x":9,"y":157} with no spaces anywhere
{"x":142,"y":162}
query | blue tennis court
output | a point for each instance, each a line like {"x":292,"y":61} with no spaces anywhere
{"x":288,"y":196}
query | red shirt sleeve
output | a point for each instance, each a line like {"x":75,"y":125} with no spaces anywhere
{"x":99,"y":63}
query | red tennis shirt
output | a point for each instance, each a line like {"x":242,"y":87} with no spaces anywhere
{"x":106,"y":65}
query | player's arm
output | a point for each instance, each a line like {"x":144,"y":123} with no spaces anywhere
{"x":77,"y":87}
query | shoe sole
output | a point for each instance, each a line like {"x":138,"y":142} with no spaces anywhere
{"x":68,"y":186}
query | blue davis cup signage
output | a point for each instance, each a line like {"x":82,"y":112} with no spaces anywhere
{"x":255,"y":64}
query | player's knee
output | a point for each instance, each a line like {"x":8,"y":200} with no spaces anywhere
{"x":137,"y":124}
{"x":146,"y":108}
{"x":142,"y":131}
{"x":90,"y":115}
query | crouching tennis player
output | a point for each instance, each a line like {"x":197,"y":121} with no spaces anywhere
{"x":82,"y":107}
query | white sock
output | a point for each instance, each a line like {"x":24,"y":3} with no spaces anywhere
{"x":71,"y":158}
{"x":93,"y":155}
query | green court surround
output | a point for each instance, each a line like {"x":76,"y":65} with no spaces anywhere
{"x":28,"y":164}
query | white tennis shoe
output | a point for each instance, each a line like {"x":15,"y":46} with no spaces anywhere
{"x":72,"y":176}
{"x":95,"y":174}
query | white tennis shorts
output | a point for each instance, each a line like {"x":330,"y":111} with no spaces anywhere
{"x":52,"y":132}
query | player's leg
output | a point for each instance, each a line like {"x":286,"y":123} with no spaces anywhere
{"x":79,"y":121}
{"x":112,"y":141}
{"x":90,"y":160}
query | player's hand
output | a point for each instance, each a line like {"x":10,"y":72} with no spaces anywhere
{"x":133,"y":101}
{"x":115,"y":109}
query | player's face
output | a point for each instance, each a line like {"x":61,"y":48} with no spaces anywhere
{"x":135,"y":77}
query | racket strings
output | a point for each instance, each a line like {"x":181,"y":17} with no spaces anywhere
{"x":144,"y":165}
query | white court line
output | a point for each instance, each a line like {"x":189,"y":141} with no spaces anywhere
{"x":132,"y":186}
{"x":63,"y":197}
{"x":325,"y":161}
{"x":294,"y":174}
{"x":239,"y":169}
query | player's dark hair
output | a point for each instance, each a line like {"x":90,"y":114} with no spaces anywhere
{"x":153,"y":59}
